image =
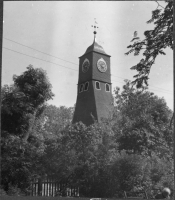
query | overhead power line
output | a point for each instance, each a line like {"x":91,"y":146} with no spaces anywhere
{"x":149,"y":88}
{"x":39,"y":59}
{"x":45,"y":60}
{"x":64,"y":66}
{"x":39,"y":51}
{"x":166,"y":91}
{"x":161,"y":89}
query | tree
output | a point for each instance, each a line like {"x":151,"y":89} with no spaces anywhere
{"x":134,"y":174}
{"x":22,"y":145}
{"x":80,"y":156}
{"x":142,"y":122}
{"x":127,"y":173}
{"x":141,"y":126}
{"x":161,"y":173}
{"x":155,"y":42}
{"x":20,"y":162}
{"x":24,"y":101}
{"x":55,"y":119}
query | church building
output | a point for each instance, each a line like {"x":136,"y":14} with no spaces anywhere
{"x":94,"y":92}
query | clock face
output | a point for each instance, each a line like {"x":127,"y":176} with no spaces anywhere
{"x":101,"y":65}
{"x":85,"y":65}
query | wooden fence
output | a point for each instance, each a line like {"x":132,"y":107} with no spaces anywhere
{"x":50,"y":187}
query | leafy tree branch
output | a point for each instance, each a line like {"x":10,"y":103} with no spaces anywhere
{"x":155,"y":42}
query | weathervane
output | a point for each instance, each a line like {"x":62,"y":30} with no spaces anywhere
{"x":95,"y":27}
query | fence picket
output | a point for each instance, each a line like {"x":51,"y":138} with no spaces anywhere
{"x":50,"y":187}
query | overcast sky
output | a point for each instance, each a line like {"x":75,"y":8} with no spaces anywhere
{"x":63,"y":29}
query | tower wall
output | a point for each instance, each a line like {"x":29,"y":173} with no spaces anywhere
{"x":93,"y":72}
{"x":104,"y":102}
{"x":96,"y":74}
{"x":88,"y":75}
{"x":85,"y":109}
{"x":95,"y":103}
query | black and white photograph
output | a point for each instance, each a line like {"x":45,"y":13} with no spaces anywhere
{"x":87,"y":100}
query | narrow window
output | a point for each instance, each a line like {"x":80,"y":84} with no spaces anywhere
{"x":97,"y":85}
{"x":86,"y":86}
{"x":81,"y":88}
{"x":107,"y":87}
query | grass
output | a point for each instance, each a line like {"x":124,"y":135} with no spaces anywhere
{"x":39,"y":198}
{"x":52,"y":198}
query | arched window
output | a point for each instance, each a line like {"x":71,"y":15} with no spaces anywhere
{"x":81,"y":88}
{"x":86,"y":86}
{"x":97,"y":85}
{"x":107,"y":87}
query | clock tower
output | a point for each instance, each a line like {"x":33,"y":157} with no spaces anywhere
{"x":94,"y":89}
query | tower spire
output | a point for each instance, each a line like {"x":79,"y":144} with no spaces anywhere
{"x":94,"y":90}
{"x":95,"y":27}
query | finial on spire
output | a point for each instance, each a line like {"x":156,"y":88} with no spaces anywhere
{"x":95,"y":27}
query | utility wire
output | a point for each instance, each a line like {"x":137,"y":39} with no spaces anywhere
{"x":149,"y":89}
{"x":39,"y":59}
{"x":46,"y":60}
{"x":166,"y":91}
{"x":161,"y":88}
{"x":38,"y":50}
{"x":149,"y":86}
{"x":49,"y":54}
{"x":69,"y":61}
{"x":65,"y":66}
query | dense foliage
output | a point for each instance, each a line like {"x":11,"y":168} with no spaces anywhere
{"x":24,"y":101}
{"x":130,"y":151}
{"x":142,"y":122}
{"x":21,"y":145}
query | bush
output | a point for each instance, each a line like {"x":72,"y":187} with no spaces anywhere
{"x":14,"y":191}
{"x":2,"y":192}
{"x":127,"y":173}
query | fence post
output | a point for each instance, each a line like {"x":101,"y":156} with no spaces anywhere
{"x":146,"y":194}
{"x":40,"y":187}
{"x":125,"y":195}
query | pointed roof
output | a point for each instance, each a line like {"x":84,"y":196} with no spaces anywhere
{"x":95,"y":47}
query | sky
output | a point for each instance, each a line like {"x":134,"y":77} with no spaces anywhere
{"x":61,"y":31}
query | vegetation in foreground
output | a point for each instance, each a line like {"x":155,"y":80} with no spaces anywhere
{"x":130,"y":151}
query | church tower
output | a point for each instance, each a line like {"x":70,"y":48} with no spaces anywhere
{"x":94,"y":94}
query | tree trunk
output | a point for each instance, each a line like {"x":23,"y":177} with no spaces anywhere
{"x":31,"y":125}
